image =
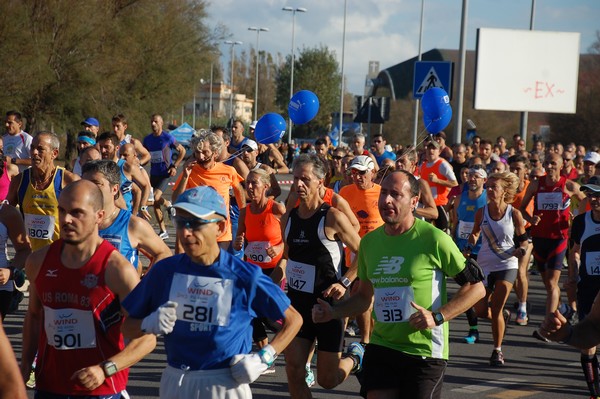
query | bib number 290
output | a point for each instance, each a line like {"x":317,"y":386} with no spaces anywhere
{"x":200,"y":314}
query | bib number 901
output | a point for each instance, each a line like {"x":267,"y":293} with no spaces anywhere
{"x":67,"y":341}
{"x":200,"y":314}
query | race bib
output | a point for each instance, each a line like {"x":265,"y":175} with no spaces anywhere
{"x":204,"y":301}
{"x":114,"y":239}
{"x":392,"y":304}
{"x":39,"y":226}
{"x":464,"y":229}
{"x":257,"y":251}
{"x":300,"y":276}
{"x":69,"y":328}
{"x":592,"y":263}
{"x":156,"y":157}
{"x":549,"y":201}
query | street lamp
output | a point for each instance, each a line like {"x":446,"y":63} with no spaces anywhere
{"x":258,"y":30}
{"x":293,"y":10}
{"x":232,"y":43}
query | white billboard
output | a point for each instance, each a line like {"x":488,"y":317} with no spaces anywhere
{"x":523,"y":70}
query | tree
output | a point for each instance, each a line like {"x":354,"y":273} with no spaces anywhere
{"x":65,"y":60}
{"x":315,"y":69}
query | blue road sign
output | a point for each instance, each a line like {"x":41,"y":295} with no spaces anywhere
{"x":430,"y":74}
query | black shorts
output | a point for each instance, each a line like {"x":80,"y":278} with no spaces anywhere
{"x":416,"y":377}
{"x":160,"y":182}
{"x":330,"y":335}
{"x":585,"y":299}
{"x":509,"y":275}
{"x":442,"y":222}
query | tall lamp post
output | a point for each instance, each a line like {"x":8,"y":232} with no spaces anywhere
{"x":232,"y":43}
{"x":258,"y":30}
{"x":293,"y":10}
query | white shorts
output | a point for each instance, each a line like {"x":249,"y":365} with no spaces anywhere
{"x":211,"y":384}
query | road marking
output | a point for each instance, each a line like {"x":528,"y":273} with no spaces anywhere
{"x":512,"y":394}
{"x":488,"y":385}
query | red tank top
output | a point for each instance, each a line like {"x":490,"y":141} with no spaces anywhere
{"x":551,"y":204}
{"x":261,"y":229}
{"x":81,"y":323}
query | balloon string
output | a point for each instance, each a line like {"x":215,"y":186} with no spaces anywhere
{"x":241,"y":151}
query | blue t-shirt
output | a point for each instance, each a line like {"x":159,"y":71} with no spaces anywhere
{"x":385,"y":155}
{"x":118,"y":235}
{"x":467,"y":208}
{"x":126,"y":186}
{"x":159,"y":148}
{"x":216,"y":305}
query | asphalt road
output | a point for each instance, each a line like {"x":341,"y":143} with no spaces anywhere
{"x":533,"y":369}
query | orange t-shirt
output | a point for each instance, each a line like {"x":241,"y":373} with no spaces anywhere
{"x":221,"y":177}
{"x":263,"y":230}
{"x":364,"y":205}
{"x":519,"y":199}
{"x":439,"y":192}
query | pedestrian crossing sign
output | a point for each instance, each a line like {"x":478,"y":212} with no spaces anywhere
{"x":430,"y":74}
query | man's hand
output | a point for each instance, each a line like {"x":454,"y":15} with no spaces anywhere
{"x":189,"y":165}
{"x":239,"y":242}
{"x":162,"y":320}
{"x":322,"y":312}
{"x":555,"y":327}
{"x":335,"y":291}
{"x":4,"y":275}
{"x":246,"y":369}
{"x":422,"y":319}
{"x":89,"y":377}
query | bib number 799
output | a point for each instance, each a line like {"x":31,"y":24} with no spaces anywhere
{"x":200,"y":314}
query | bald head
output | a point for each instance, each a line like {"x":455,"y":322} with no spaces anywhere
{"x":86,"y":191}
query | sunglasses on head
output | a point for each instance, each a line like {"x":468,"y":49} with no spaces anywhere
{"x":192,"y":223}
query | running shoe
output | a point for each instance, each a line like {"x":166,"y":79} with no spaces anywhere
{"x":357,"y":352}
{"x":567,"y":311}
{"x":472,"y":337}
{"x":170,"y":211}
{"x":270,"y":370}
{"x":536,"y":334}
{"x":309,"y":377}
{"x":497,"y":358}
{"x":163,"y":235}
{"x":522,"y":318}
{"x":31,"y":381}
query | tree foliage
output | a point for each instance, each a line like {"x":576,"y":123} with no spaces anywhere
{"x":317,"y":70}
{"x":65,"y":60}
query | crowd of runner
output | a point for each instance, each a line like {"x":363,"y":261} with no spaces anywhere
{"x":363,"y":244}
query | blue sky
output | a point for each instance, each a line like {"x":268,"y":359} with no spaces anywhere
{"x":388,"y":30}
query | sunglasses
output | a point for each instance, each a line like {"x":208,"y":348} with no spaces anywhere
{"x":358,"y":172}
{"x":192,"y":224}
{"x":592,"y":194}
{"x":336,"y":157}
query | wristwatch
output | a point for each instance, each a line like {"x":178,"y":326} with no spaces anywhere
{"x":438,"y":318}
{"x":143,"y":208}
{"x":110,"y":368}
{"x":345,"y":281}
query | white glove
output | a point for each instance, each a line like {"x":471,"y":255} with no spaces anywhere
{"x":246,"y":369}
{"x":162,"y":320}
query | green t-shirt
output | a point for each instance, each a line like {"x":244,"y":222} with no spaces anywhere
{"x":409,"y":267}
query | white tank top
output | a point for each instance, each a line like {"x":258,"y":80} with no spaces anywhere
{"x":497,"y":242}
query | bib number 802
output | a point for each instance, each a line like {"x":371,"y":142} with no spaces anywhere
{"x":38,"y":233}
{"x":200,"y":314}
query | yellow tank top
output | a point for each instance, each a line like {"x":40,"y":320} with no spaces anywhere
{"x":40,"y":209}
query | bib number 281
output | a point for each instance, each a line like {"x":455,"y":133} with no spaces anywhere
{"x":200,"y":314}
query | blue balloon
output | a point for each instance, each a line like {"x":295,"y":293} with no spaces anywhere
{"x":435,"y":103}
{"x":434,"y":126}
{"x":303,"y":107}
{"x":270,"y":128}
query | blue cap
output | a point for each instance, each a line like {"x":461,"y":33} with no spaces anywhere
{"x":91,"y":122}
{"x":201,"y":201}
